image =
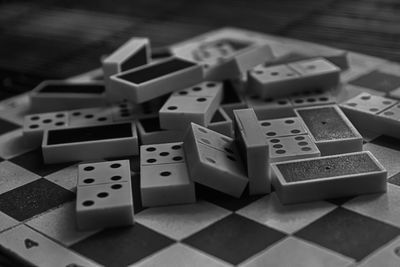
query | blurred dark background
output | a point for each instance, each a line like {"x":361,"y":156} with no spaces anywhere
{"x":59,"y":38}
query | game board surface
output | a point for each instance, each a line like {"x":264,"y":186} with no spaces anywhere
{"x":218,"y":230}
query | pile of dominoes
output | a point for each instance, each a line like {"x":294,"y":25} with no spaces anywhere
{"x":226,"y":110}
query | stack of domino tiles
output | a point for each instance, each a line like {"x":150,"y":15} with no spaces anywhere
{"x":225,"y":110}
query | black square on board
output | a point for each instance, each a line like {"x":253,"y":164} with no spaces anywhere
{"x":378,"y":81}
{"x":33,"y":198}
{"x":134,"y":162}
{"x":349,"y":233}
{"x":122,"y":246}
{"x":221,"y":239}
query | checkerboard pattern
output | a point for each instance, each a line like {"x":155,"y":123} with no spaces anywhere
{"x":218,"y":230}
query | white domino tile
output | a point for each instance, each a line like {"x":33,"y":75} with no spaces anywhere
{"x":292,"y":147}
{"x":283,"y":127}
{"x":370,"y":104}
{"x":392,"y":113}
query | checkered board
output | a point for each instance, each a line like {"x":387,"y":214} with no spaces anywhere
{"x":37,"y":203}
